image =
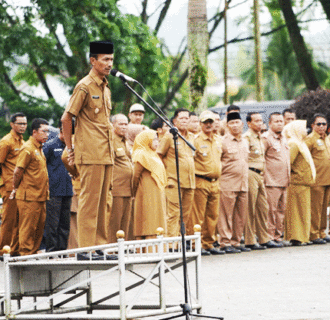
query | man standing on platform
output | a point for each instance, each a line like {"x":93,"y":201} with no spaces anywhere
{"x":122,"y":180}
{"x":187,"y":174}
{"x":205,"y":210}
{"x":57,"y":227}
{"x":277,"y":175}
{"x":256,"y":224}
{"x":9,"y":151}
{"x":93,"y":151}
{"x":30,"y":187}
{"x":319,"y":146}
{"x":233,"y":186}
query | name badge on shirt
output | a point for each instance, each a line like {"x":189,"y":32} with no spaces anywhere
{"x":59,"y":149}
{"x":319,"y":142}
{"x":95,"y":97}
{"x":17,"y":149}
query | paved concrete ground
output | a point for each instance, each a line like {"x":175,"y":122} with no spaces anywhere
{"x":282,"y":284}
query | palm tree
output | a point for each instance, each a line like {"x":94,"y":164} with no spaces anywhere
{"x":198,"y":45}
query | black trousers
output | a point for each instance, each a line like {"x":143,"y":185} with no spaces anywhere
{"x":57,"y":227}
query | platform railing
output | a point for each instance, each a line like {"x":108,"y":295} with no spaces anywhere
{"x":50,"y":277}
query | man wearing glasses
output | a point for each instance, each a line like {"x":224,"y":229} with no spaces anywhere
{"x":319,"y":146}
{"x":9,"y":150}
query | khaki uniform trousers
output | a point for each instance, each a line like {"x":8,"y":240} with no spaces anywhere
{"x":232,"y":217}
{"x":94,"y":207}
{"x":32,"y":218}
{"x":173,"y":210}
{"x":256,"y":223}
{"x":205,"y":210}
{"x":73,"y":236}
{"x":9,"y":225}
{"x":120,"y":217}
{"x":276,"y":198}
{"x":320,"y":197}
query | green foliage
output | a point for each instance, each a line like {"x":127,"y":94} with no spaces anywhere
{"x":52,"y":38}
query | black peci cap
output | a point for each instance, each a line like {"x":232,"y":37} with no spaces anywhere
{"x":101,"y":47}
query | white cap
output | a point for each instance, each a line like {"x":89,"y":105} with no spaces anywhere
{"x":136,"y":107}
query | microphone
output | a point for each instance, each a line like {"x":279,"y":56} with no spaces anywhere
{"x":122,"y":76}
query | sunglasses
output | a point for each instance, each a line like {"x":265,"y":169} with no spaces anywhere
{"x":321,"y":124}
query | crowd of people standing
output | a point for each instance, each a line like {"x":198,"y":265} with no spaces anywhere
{"x":248,"y":191}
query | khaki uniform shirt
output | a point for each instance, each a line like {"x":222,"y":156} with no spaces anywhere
{"x":90,"y":103}
{"x":186,"y":160}
{"x":257,"y":150}
{"x":207,"y":156}
{"x":235,"y":167}
{"x":320,"y":150}
{"x":10,"y":145}
{"x":123,"y":168}
{"x":301,"y":173}
{"x":277,"y":156}
{"x":34,"y":183}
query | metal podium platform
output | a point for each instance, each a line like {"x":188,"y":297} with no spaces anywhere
{"x":52,"y":285}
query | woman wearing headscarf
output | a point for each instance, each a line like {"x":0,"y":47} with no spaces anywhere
{"x":149,"y":181}
{"x":298,"y":210}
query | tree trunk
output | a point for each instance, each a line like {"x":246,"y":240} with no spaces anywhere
{"x":326,"y":7}
{"x":299,"y":46}
{"x":198,"y":45}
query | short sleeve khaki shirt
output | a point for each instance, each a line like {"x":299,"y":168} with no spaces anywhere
{"x":90,"y":104}
{"x":123,"y":168}
{"x":277,"y":157}
{"x":257,"y":150}
{"x":207,"y":156}
{"x":186,"y":160}
{"x":34,"y":184}
{"x":10,"y":146}
{"x":235,"y":168}
{"x":320,"y":150}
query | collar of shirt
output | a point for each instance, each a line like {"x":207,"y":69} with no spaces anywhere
{"x":98,"y":81}
{"x":15,"y":135}
{"x":317,"y":136}
{"x":205,"y":137}
{"x":36,"y":143}
{"x":233,"y":137}
{"x":255,"y":135}
{"x":275,"y":135}
{"x":119,"y":137}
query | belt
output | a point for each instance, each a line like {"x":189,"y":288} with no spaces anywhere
{"x":256,"y":170}
{"x":205,"y":178}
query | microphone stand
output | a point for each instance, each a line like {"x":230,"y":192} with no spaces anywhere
{"x":186,"y":308}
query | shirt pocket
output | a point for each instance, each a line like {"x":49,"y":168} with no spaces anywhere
{"x":120,"y":152}
{"x":95,"y":106}
{"x":254,"y":151}
{"x":233,"y":153}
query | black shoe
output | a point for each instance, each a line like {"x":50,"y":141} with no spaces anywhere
{"x":271,"y":244}
{"x":242,"y":248}
{"x":297,"y":243}
{"x":84,"y":256}
{"x":216,"y":244}
{"x":326,"y":238}
{"x":308,"y":243}
{"x":215,"y":251}
{"x":286,"y":243}
{"x":205,"y":252}
{"x":230,"y":249}
{"x":319,"y":241}
{"x":280,"y":243}
{"x":107,"y":256}
{"x":256,"y":246}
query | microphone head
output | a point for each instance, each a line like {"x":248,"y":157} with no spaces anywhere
{"x":113,"y":72}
